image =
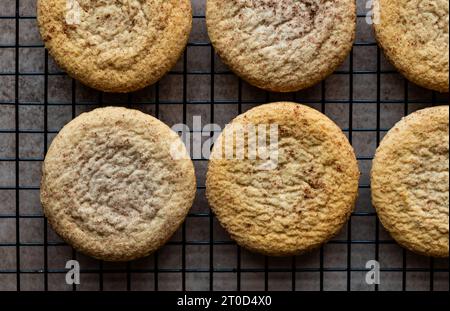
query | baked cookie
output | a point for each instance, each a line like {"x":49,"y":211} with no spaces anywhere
{"x":414,"y":37}
{"x":115,"y":46}
{"x":110,"y":186}
{"x":410,"y":189}
{"x":282,"y":46}
{"x":296,"y":193}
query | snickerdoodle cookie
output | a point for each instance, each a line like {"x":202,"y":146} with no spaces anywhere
{"x":410,"y":181}
{"x":115,"y":46}
{"x":282,"y":46}
{"x":111,"y":186}
{"x":294,"y":193}
{"x":414,"y":37}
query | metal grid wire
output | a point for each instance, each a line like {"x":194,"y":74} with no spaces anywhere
{"x":351,"y":74}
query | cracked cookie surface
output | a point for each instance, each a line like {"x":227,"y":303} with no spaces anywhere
{"x":115,"y":45}
{"x":410,"y":181}
{"x":284,"y":45}
{"x":414,"y":37}
{"x":299,"y":203}
{"x":110,"y":187}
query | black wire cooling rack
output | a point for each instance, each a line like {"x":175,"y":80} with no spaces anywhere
{"x":157,"y":102}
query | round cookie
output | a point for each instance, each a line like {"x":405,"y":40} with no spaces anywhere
{"x":282,"y":46}
{"x":115,"y":46}
{"x":414,"y":37}
{"x":410,"y":181}
{"x":110,"y":186}
{"x":302,"y":199}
